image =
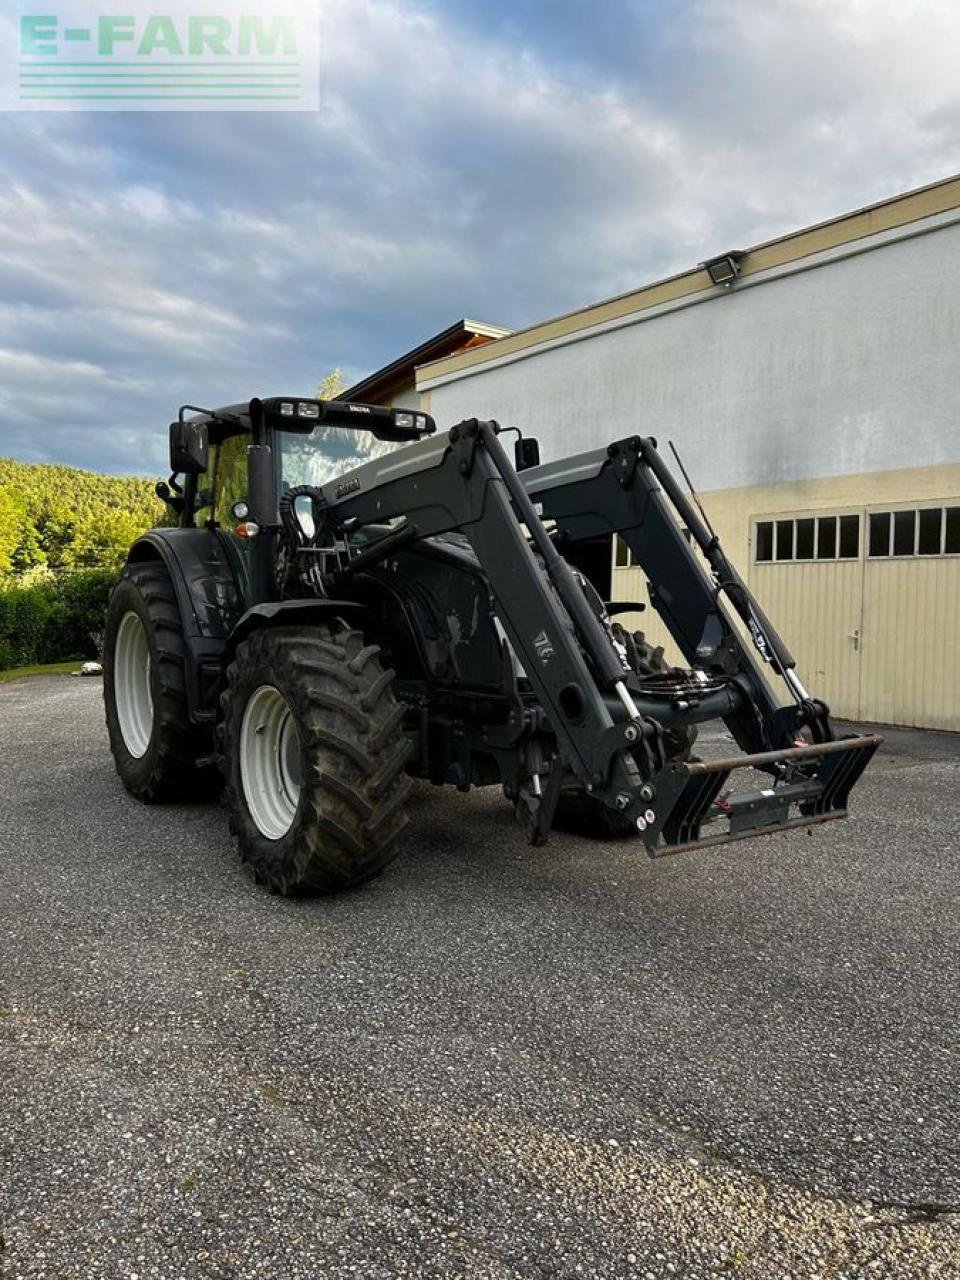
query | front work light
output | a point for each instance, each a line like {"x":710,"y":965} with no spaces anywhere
{"x":305,"y":415}
{"x":240,"y":510}
{"x":406,"y":421}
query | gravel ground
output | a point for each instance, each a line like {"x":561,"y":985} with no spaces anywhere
{"x":494,"y":1062}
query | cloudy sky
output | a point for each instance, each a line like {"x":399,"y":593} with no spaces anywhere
{"x":504,"y":160}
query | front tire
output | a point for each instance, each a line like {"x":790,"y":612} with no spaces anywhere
{"x":155,"y":747}
{"x":313,"y":753}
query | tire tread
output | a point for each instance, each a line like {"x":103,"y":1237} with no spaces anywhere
{"x":173,"y":773}
{"x":351,"y":812}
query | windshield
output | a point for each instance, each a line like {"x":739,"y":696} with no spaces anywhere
{"x":327,"y":452}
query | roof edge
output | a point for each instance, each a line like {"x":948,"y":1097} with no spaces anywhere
{"x":884,"y":215}
{"x":408,"y":363}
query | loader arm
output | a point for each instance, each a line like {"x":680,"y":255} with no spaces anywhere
{"x":465,"y":482}
{"x":628,"y":490}
{"x":608,"y":726}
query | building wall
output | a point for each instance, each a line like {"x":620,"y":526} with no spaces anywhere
{"x":842,"y":368}
{"x":405,"y":396}
{"x":829,"y":386}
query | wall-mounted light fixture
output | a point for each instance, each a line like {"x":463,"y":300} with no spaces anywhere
{"x":725,"y":268}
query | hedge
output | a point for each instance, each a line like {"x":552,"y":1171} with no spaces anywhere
{"x":54,"y":621}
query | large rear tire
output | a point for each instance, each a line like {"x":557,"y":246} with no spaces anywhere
{"x":155,"y":747}
{"x":313,"y":753}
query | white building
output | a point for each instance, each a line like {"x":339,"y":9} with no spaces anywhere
{"x":816,"y":403}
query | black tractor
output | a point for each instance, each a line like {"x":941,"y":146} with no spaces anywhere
{"x":350,"y":599}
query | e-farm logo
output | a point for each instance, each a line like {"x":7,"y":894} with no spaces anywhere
{"x":171,"y":55}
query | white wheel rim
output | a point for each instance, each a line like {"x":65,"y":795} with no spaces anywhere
{"x":270,"y":762}
{"x":131,"y":683}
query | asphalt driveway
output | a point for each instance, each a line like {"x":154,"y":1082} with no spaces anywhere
{"x":493,"y":1062}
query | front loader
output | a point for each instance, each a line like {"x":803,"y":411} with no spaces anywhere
{"x":351,"y":599}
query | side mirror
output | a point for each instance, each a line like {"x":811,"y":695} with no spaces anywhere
{"x":189,"y":447}
{"x":527,"y":453}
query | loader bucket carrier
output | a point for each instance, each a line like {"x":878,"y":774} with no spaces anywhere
{"x":420,"y":614}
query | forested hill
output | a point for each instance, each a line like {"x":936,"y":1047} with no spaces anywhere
{"x":61,"y":519}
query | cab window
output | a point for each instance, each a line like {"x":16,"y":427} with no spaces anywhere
{"x":230,"y":481}
{"x":224,"y":483}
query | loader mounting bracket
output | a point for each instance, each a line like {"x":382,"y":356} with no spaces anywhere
{"x":627,"y":454}
{"x":641,"y":739}
{"x":465,"y":439}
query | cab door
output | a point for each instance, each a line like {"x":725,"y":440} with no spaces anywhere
{"x":225,"y":484}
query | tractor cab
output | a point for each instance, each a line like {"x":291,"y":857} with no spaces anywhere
{"x":308,"y":442}
{"x":239,"y":462}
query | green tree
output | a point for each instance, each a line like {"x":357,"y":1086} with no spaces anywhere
{"x":101,"y":539}
{"x":331,"y":385}
{"x":10,"y":523}
{"x":65,"y":519}
{"x":20,"y":549}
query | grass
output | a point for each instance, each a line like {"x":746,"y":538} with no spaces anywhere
{"x":51,"y":669}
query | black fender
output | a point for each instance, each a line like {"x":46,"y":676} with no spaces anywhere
{"x":211,"y":589}
{"x":286,"y":613}
{"x":279,"y":613}
{"x":206,"y":576}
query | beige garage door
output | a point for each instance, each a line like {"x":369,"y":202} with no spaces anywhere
{"x":910,"y":670}
{"x":869,"y":601}
{"x":807,"y":573}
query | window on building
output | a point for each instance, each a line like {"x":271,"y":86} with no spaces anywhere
{"x":785,"y":539}
{"x":807,"y":538}
{"x":915,"y":531}
{"x":904,"y":533}
{"x":765,"y":540}
{"x":924,"y":531}
{"x":880,"y":526}
{"x":849,"y":537}
{"x":804,"y":541}
{"x":826,"y":537}
{"x":931,"y":529}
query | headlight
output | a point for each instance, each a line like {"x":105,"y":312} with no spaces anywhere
{"x":240,"y":510}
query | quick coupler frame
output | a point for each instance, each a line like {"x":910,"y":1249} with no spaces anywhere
{"x":814,"y":785}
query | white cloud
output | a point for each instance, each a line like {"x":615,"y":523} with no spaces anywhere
{"x":207,"y":257}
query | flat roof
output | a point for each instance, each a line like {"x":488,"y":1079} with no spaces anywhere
{"x":885,"y":215}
